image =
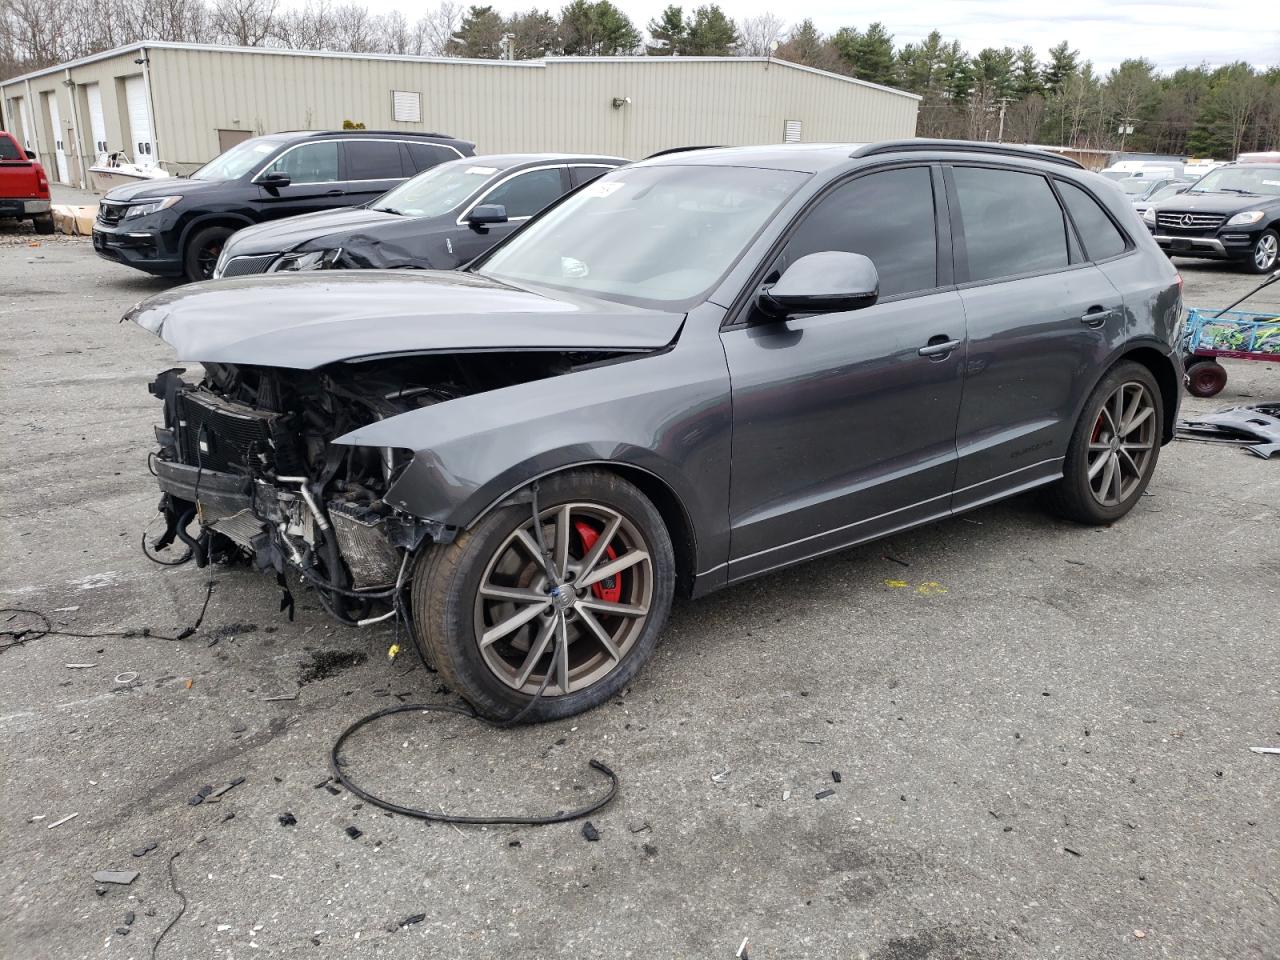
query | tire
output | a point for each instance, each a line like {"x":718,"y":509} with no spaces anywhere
{"x":500,"y":678}
{"x":201,"y":253}
{"x":1265,"y":255}
{"x":43,"y":225}
{"x":1205,"y":378}
{"x":1093,"y":443}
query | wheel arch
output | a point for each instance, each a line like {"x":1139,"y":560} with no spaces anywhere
{"x":1166,"y":370}
{"x":234,"y":221}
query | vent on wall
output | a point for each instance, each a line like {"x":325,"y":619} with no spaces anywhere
{"x":791,"y":131}
{"x":406,"y":106}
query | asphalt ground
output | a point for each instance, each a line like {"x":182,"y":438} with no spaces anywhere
{"x":1042,"y":731}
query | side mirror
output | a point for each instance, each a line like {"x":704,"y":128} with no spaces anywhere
{"x":828,"y":282}
{"x":31,"y":154}
{"x":277,"y":179}
{"x":486,"y":213}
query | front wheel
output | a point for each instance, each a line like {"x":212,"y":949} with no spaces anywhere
{"x":203,"y":249}
{"x":502,"y":622}
{"x":1265,"y":254}
{"x":1113,"y":451}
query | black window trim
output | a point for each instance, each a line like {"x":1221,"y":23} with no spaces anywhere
{"x":1129,"y":245}
{"x":342,"y":155}
{"x":736,"y":318}
{"x":962,"y":255}
{"x":508,"y":176}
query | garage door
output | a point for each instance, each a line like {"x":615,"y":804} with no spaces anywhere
{"x":28,"y":132}
{"x":59,"y":151}
{"x":97,"y":121}
{"x":142,"y":146}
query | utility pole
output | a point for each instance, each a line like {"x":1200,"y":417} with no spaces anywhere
{"x":1126,"y":128}
{"x":1004,"y":102}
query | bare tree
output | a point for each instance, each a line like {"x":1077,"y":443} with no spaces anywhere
{"x":394,"y":35}
{"x":436,"y":28}
{"x":245,"y":23}
{"x":757,"y":35}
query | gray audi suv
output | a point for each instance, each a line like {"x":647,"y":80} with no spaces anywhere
{"x":694,"y":370}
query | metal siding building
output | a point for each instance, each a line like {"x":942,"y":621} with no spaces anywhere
{"x":197,"y":99}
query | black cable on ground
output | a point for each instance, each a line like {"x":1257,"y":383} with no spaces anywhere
{"x":173,"y":885}
{"x":335,"y":764}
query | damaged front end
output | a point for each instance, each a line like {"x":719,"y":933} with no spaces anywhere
{"x":246,"y":454}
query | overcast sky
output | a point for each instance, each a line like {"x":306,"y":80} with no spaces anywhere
{"x":1172,"y":33}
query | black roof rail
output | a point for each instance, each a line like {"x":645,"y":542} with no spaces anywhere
{"x":394,"y":133}
{"x":963,"y":146}
{"x":663,"y":153}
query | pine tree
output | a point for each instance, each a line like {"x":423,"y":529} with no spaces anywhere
{"x":480,"y":34}
{"x":709,"y":34}
{"x":1063,"y":62}
{"x":668,"y":33}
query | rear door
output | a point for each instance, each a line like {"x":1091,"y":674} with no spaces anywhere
{"x":842,"y":429}
{"x":142,"y":146}
{"x":315,"y":183}
{"x":1039,"y":316}
{"x":371,"y":168}
{"x":523,"y":194}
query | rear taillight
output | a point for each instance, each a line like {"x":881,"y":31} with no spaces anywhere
{"x":42,"y":182}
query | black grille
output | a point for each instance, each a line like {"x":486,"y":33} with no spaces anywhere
{"x":110,"y":213}
{"x":248,"y":266}
{"x":222,"y":436}
{"x":1191,"y":222}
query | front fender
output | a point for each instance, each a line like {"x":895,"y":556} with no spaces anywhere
{"x":667,"y":413}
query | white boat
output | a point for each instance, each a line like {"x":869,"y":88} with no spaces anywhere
{"x":113,"y":169}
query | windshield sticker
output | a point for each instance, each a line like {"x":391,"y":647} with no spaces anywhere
{"x":599,"y":189}
{"x":573,"y":269}
{"x":482,"y":171}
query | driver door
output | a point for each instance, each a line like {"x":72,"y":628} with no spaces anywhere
{"x":523,"y":194}
{"x":842,"y":430}
{"x":314,"y":181}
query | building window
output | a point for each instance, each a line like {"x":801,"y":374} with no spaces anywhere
{"x":406,"y":106}
{"x":791,"y":131}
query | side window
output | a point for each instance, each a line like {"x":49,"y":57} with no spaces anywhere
{"x":373,"y":160}
{"x":527,"y":193}
{"x":427,"y":155}
{"x":888,"y":217}
{"x":9,"y":149}
{"x":1101,"y":237}
{"x":309,"y":163}
{"x":1012,"y":223}
{"x":580,"y":175}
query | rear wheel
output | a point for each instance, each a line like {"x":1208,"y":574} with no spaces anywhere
{"x":1114,"y":448}
{"x":203,"y":250}
{"x":43,"y":225}
{"x":500,"y":626}
{"x":1205,"y":378}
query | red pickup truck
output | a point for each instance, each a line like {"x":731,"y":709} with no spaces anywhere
{"x":24,"y":188}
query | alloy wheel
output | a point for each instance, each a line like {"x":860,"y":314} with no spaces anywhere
{"x":576,"y":612}
{"x":1265,"y":252}
{"x":1122,"y":443}
{"x":207,"y":259}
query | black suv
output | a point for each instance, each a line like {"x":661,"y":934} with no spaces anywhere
{"x":692,"y":371}
{"x":176,"y":227}
{"x":1231,"y":213}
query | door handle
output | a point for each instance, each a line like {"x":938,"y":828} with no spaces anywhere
{"x":1096,"y":316}
{"x":938,"y":347}
{"x":333,"y":193}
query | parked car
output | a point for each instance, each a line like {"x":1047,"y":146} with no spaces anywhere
{"x":438,"y":220}
{"x":1125,"y":169}
{"x":24,"y":186}
{"x":695,"y":370}
{"x":1231,"y":213}
{"x":1159,"y":191}
{"x":176,"y":227}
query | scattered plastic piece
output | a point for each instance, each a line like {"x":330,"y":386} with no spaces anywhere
{"x":123,"y":931}
{"x":786,"y":795}
{"x":649,"y":850}
{"x":1140,"y":934}
{"x":1074,"y":853}
{"x":146,"y":848}
{"x":354,"y":833}
{"x":1275,"y":750}
{"x":719,"y":777}
{"x":835,"y":776}
{"x":590,"y":832}
{"x":123,"y":877}
{"x":79,"y":666}
{"x":823,"y":794}
{"x":127,"y":677}
{"x":58,"y":823}
{"x":287,"y":819}
{"x":742,"y":950}
{"x":292,"y":696}
{"x":129,"y":918}
{"x":410,"y":921}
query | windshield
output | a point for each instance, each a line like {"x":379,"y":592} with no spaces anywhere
{"x":436,"y":191}
{"x":239,"y":160}
{"x":660,"y":234}
{"x":1134,"y":186}
{"x":1164,"y":193}
{"x":1256,"y":179}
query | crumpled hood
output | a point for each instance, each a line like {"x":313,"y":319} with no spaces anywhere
{"x":282,"y":236}
{"x":310,"y":320}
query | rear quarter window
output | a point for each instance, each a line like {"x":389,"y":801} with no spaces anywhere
{"x":1012,"y":223}
{"x":1100,"y":236}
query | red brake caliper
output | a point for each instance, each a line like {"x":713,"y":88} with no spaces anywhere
{"x":610,"y":588}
